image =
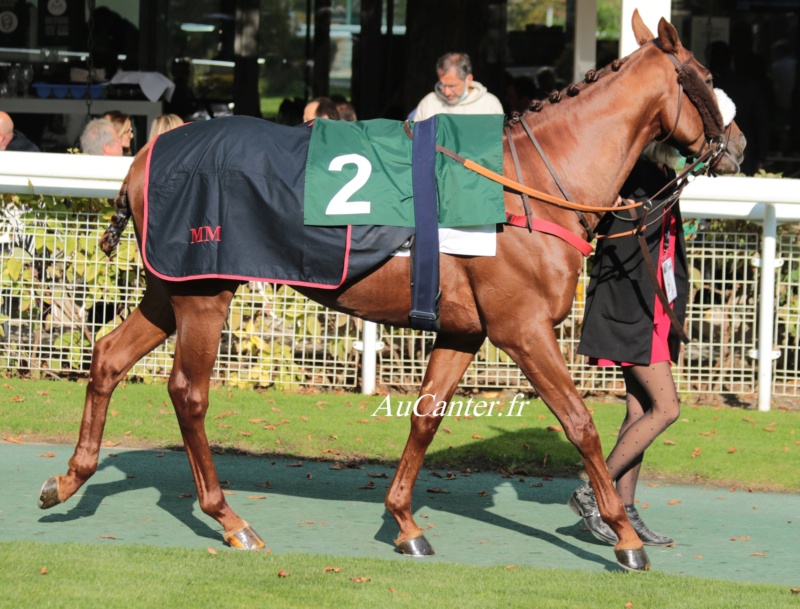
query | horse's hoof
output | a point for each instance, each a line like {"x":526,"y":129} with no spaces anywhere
{"x":48,"y":496}
{"x":416,"y":546}
{"x":244,"y":539}
{"x":633,"y":560}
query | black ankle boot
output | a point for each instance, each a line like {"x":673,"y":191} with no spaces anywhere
{"x":584,"y":504}
{"x":648,"y":537}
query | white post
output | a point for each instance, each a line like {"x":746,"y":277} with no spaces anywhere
{"x":766,"y":309}
{"x":369,"y":357}
{"x":585,"y":39}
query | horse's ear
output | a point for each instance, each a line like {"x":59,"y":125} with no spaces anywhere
{"x":668,"y":37}
{"x":640,"y":30}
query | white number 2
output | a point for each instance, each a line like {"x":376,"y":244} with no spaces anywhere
{"x":340,"y":205}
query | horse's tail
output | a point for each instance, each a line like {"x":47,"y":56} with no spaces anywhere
{"x":110,"y":238}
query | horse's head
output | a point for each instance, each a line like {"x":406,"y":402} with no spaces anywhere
{"x":703,"y":126}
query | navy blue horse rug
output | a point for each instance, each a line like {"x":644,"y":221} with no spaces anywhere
{"x":225,"y":199}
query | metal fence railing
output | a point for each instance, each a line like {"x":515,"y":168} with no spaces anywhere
{"x":59,"y":294}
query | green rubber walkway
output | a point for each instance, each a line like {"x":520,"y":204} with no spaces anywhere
{"x":145,"y":496}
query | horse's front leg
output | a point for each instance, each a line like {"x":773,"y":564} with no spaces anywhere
{"x":536,"y":351}
{"x":200,"y":320}
{"x":449,"y":360}
{"x":113,"y":355}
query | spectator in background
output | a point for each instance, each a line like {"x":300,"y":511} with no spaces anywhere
{"x":751,"y":106}
{"x":320,"y":107}
{"x":163,"y":123}
{"x":784,"y":72}
{"x":122,"y":123}
{"x":457,"y":91}
{"x":546,"y":80}
{"x":347,"y":112}
{"x":520,"y":92}
{"x":11,"y":139}
{"x":100,"y":137}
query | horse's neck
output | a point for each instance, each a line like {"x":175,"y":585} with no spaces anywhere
{"x":594,"y":139}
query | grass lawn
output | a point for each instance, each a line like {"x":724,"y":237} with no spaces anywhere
{"x":720,"y":445}
{"x":37,"y":575}
{"x":716,"y":445}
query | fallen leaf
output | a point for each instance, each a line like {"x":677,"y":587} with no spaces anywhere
{"x":758,"y":554}
{"x":296,"y":464}
{"x":109,"y":443}
{"x":380,"y":475}
{"x":227,"y":413}
{"x":245,"y":433}
{"x":332,"y":570}
{"x":392,"y":590}
{"x":628,"y":605}
{"x":359,"y":580}
{"x":512,"y":567}
{"x":653,"y":484}
{"x":13,"y":440}
{"x":745,"y":538}
{"x":282,"y":573}
{"x":483,"y":493}
{"x":769,"y":429}
{"x":698,"y":556}
{"x":304,"y":418}
{"x":256,"y":496}
{"x":43,"y":571}
{"x":16,"y":398}
{"x":732,"y":450}
{"x":368,"y":486}
{"x":256,"y":420}
{"x":713,"y":432}
{"x":212,"y":551}
{"x":557,"y":428}
{"x":106,"y":537}
{"x":476,"y":436}
{"x":795,"y":590}
{"x":674,"y":502}
{"x":224,"y":492}
{"x":446,"y":430}
{"x":185,"y":496}
{"x":670,"y":442}
{"x":696,"y":453}
{"x":114,"y":413}
{"x":749,"y":420}
{"x":438,"y":490}
{"x":47,"y":455}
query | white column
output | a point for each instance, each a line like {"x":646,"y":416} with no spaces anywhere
{"x":766,"y":309}
{"x":369,"y":358}
{"x":585,"y":38}
{"x":651,"y":11}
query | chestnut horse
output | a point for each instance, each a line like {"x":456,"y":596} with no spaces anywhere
{"x":592,"y":140}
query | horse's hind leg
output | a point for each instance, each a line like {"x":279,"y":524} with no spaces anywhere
{"x":449,"y":360}
{"x":541,"y":360}
{"x":143,"y":330}
{"x":200,"y":318}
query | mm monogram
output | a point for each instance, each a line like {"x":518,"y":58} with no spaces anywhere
{"x":205,"y":233}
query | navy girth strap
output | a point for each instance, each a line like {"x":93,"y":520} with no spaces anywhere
{"x":425,"y":293}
